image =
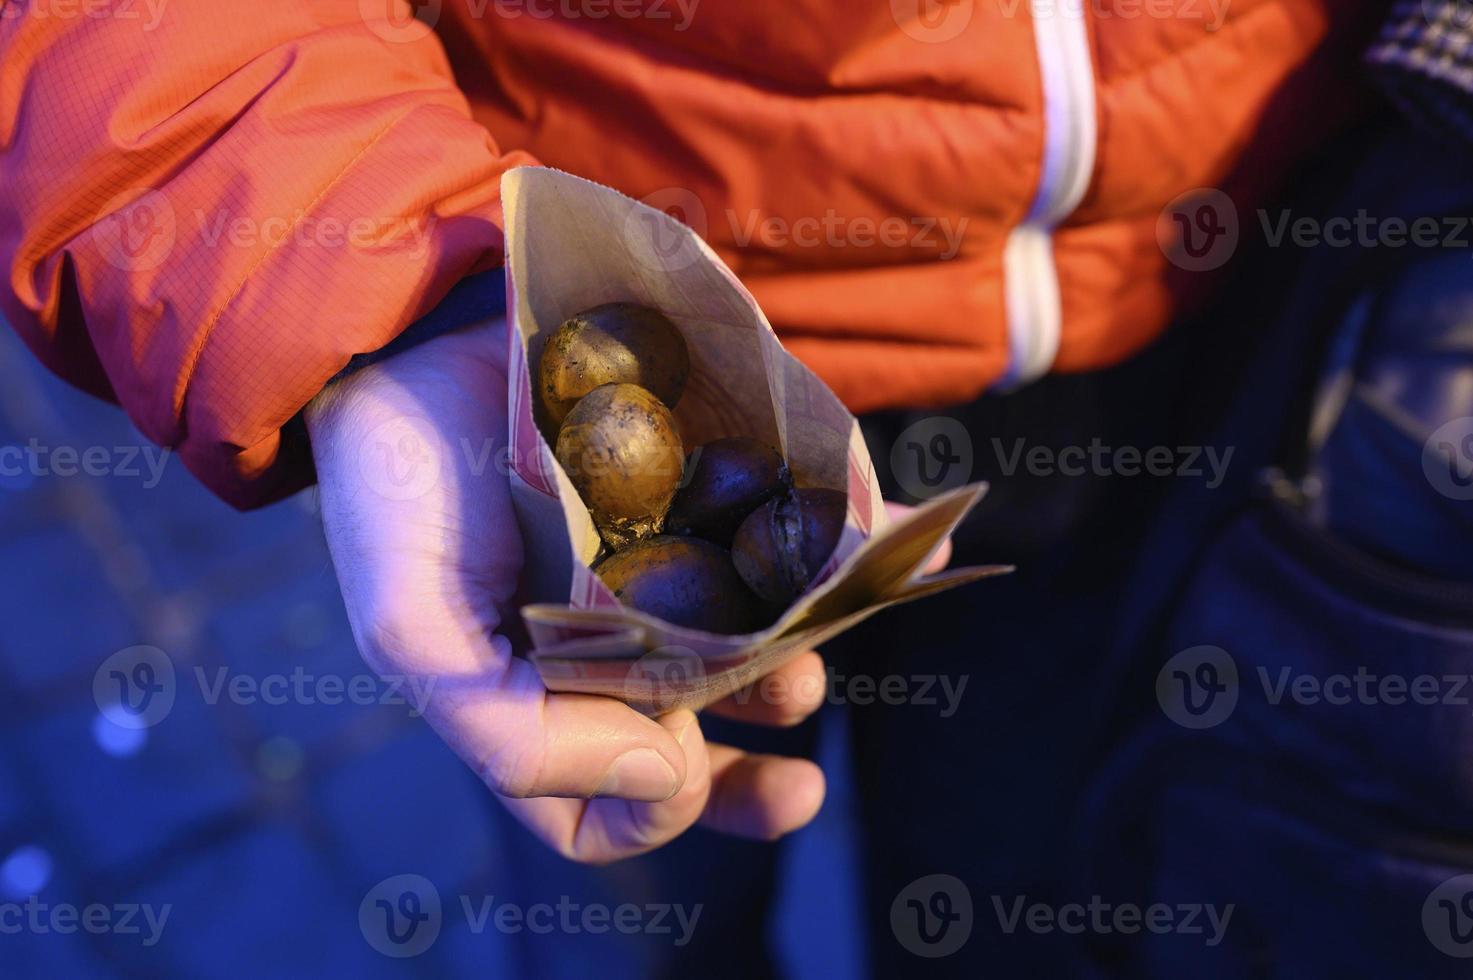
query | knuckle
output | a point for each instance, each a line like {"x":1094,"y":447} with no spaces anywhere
{"x":513,"y":772}
{"x":570,"y":850}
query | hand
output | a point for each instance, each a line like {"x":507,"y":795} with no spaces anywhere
{"x":418,"y":518}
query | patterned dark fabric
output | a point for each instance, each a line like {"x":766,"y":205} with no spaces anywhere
{"x":1423,"y":62}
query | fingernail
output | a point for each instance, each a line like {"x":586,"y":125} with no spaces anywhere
{"x":639,"y":774}
{"x":678,"y":723}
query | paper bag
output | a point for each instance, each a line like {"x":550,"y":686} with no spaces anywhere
{"x":571,"y":245}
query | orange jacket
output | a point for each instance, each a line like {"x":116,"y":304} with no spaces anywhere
{"x":207,"y":208}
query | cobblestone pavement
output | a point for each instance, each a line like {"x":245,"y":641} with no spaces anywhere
{"x":254,"y":814}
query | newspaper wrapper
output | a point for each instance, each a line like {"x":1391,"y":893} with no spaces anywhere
{"x":571,"y":245}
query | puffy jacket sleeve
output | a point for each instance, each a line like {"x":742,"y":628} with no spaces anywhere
{"x":208,"y":207}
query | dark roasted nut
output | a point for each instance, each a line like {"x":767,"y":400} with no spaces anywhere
{"x":726,"y":480}
{"x":685,"y":581}
{"x":783,"y":544}
{"x":617,"y":343}
{"x":620,"y":448}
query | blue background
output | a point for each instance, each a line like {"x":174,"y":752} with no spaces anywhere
{"x":262,"y":827}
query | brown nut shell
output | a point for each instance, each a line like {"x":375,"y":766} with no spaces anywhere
{"x":725,"y":480}
{"x":616,"y":343}
{"x":685,"y":581}
{"x":620,"y":448}
{"x":783,"y":544}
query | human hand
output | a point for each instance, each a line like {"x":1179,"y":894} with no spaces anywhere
{"x":419,"y":521}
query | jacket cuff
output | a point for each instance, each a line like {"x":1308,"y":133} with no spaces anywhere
{"x":472,"y":300}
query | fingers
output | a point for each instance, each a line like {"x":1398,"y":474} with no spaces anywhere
{"x":761,"y":796}
{"x":524,"y":742}
{"x":492,"y":709}
{"x":606,"y":829}
{"x":625,"y":828}
{"x":941,"y":558}
{"x":782,"y":698}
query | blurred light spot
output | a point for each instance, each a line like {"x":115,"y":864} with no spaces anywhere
{"x":25,"y":872}
{"x":116,"y":740}
{"x":279,"y":758}
{"x":174,"y":621}
{"x":124,"y":565}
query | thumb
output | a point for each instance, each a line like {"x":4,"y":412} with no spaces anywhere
{"x":525,"y":742}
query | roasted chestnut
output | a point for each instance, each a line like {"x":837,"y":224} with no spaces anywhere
{"x":724,"y":481}
{"x":616,"y":343}
{"x":620,"y":448}
{"x":784,"y":543}
{"x":685,"y":581}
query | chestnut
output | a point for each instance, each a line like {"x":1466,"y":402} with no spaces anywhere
{"x":622,"y":343}
{"x":620,"y":448}
{"x":784,"y":543}
{"x":724,"y":481}
{"x":685,"y":581}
